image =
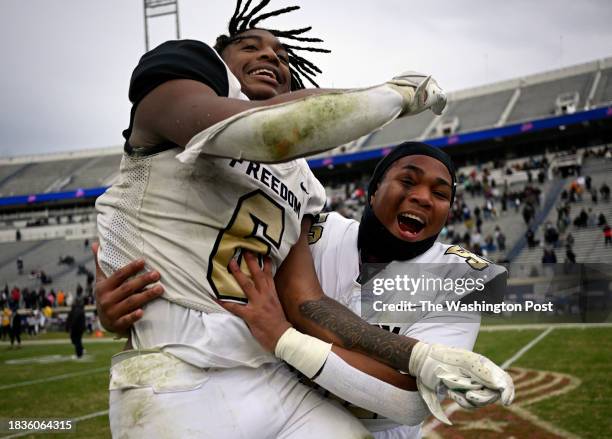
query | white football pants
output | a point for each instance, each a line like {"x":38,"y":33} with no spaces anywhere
{"x":176,"y":400}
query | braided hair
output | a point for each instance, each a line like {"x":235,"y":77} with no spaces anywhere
{"x":243,"y":20}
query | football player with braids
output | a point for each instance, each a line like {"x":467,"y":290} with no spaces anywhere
{"x":195,"y":368}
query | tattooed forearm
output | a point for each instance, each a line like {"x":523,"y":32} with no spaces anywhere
{"x":356,"y":334}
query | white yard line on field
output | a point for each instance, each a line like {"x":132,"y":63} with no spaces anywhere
{"x":53,"y":378}
{"x":510,"y":361}
{"x":63,"y":341}
{"x":527,"y":326}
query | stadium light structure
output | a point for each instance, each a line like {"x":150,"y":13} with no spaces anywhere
{"x":160,"y":8}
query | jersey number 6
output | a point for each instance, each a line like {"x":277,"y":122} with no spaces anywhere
{"x":258,"y":223}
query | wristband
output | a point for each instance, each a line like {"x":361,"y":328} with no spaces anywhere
{"x":307,"y":354}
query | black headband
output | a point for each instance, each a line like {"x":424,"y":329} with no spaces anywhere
{"x":406,"y":149}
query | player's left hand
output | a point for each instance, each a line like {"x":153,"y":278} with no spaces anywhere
{"x":472,"y":379}
{"x":420,"y":91}
{"x":263,"y":313}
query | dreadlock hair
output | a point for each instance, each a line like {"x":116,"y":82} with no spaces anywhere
{"x":243,"y":20}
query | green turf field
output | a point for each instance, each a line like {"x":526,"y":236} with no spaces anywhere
{"x":583,"y":353}
{"x":42,"y":381}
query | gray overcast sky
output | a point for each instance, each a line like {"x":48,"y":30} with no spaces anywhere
{"x":67,"y":63}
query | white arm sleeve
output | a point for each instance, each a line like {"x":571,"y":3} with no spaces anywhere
{"x":370,"y":393}
{"x":298,"y":128}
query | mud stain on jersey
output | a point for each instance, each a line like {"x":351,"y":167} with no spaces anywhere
{"x":315,"y":120}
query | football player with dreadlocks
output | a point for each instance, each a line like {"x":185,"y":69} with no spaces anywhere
{"x":196,"y":369}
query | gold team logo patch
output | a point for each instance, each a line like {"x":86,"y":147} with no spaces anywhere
{"x":476,"y":262}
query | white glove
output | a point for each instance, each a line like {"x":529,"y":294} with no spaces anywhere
{"x":473,"y":380}
{"x":420,"y":92}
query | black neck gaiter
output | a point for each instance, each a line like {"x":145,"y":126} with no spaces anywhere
{"x":377,"y":244}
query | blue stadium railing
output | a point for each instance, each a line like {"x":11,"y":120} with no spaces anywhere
{"x":373,"y":154}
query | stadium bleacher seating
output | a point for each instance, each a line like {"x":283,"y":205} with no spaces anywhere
{"x":494,"y":105}
{"x":97,"y":172}
{"x":41,"y":177}
{"x":603,"y":94}
{"x":479,"y":111}
{"x":44,"y":256}
{"x":588,"y":241}
{"x":539,"y":99}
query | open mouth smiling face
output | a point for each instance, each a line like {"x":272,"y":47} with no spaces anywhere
{"x":410,"y":225}
{"x":266,"y":74}
{"x":260,"y":62}
{"x":413,"y":198}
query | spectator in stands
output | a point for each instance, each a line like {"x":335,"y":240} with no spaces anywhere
{"x":15,"y":326}
{"x":569,"y":240}
{"x":450,"y":232}
{"x":476,"y":239}
{"x":549,"y":256}
{"x":51,"y":299}
{"x":607,"y":231}
{"x":489,"y":244}
{"x":582,"y":219}
{"x":489,"y":209}
{"x":561,"y":224}
{"x":75,"y":324}
{"x":604,"y":190}
{"x":570,"y":256}
{"x":42,"y":297}
{"x":4,"y":296}
{"x":541,"y":176}
{"x":467,"y":238}
{"x":42,"y":320}
{"x":66,"y":260}
{"x":504,"y":201}
{"x":551,"y":236}
{"x":31,"y":324}
{"x":6,"y":321}
{"x":587,"y":182}
{"x":592,"y":219}
{"x":501,"y":239}
{"x":601,"y":220}
{"x":61,"y":298}
{"x":594,"y":196}
{"x":89,"y":282}
{"x":530,"y":236}
{"x":528,"y":212}
{"x":15,"y":296}
{"x":86,"y":244}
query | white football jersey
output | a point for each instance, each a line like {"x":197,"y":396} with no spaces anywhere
{"x":188,"y":221}
{"x":333,"y":243}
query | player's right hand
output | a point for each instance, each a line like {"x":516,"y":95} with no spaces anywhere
{"x":120,"y":297}
{"x":420,"y":92}
{"x":471,"y":379}
{"x":263,"y":313}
